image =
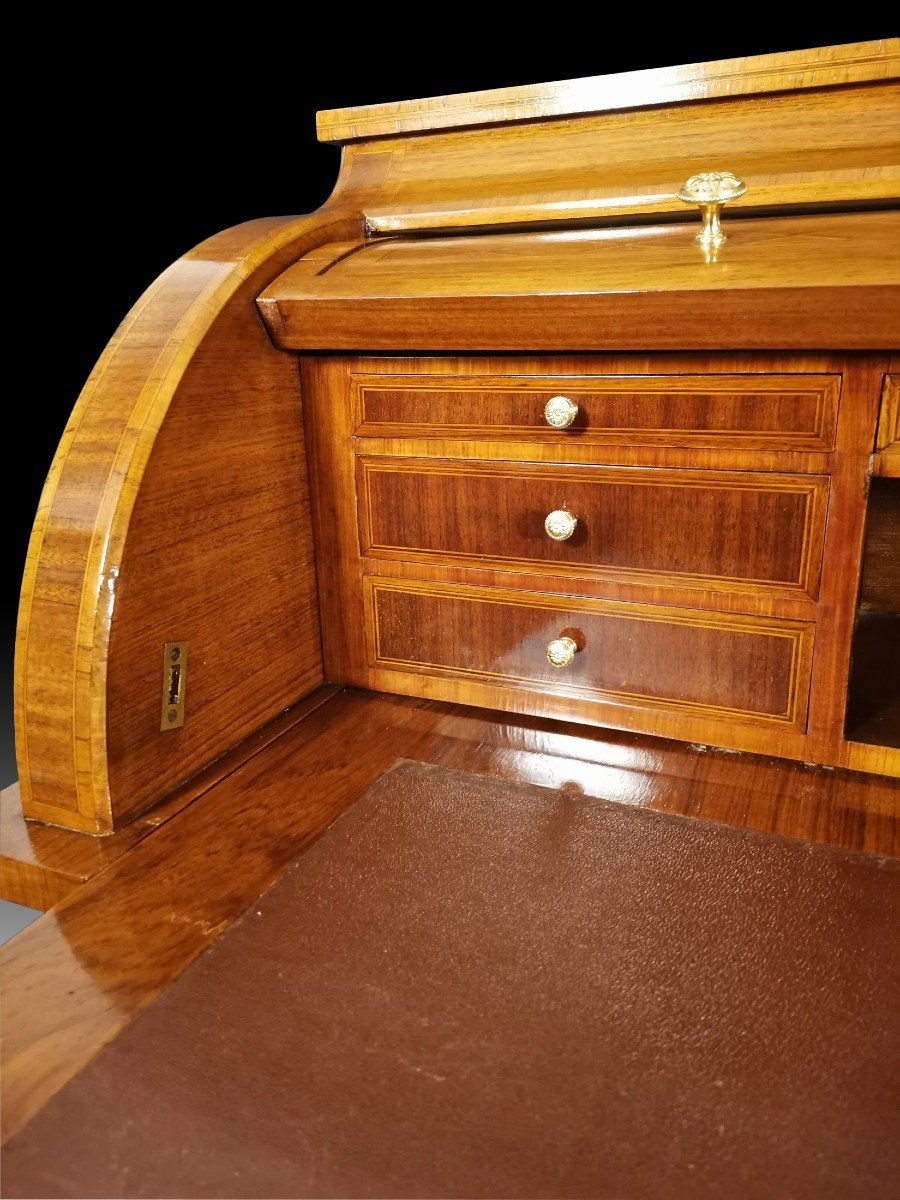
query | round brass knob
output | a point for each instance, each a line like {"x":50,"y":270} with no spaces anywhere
{"x":561,"y":651}
{"x":560,"y":412}
{"x":560,"y":524}
{"x":711,"y":190}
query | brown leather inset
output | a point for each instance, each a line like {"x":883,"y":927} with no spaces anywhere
{"x":470,"y":988}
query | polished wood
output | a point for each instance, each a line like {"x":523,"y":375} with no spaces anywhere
{"x":880,"y":581}
{"x":740,"y":668}
{"x":793,"y":412}
{"x":886,"y":460}
{"x":343,"y":563}
{"x":75,"y":978}
{"x":626,"y":166}
{"x":717,"y":533}
{"x":42,"y":864}
{"x":141,"y":539}
{"x":799,"y":148}
{"x":826,"y":281}
{"x":795,"y":70}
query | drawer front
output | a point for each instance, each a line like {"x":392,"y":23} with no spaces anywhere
{"x":649,"y":656}
{"x":752,"y":412}
{"x":716,"y":530}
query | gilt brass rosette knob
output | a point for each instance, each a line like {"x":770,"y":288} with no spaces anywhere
{"x":560,"y":412}
{"x":560,"y":524}
{"x":561,"y":651}
{"x":711,"y":191}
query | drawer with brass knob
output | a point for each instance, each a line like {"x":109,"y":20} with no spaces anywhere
{"x":702,"y":529}
{"x":785,"y":411}
{"x":677,"y":660}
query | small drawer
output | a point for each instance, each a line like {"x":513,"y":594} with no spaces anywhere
{"x":745,"y":412}
{"x":716,"y":530}
{"x":646,"y":656}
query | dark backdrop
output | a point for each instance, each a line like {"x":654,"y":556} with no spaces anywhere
{"x":152,"y":148}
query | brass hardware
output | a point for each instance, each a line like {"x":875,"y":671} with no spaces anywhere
{"x":560,"y":412}
{"x":174,"y":685}
{"x":561,"y":651}
{"x":560,"y":524}
{"x":711,"y":190}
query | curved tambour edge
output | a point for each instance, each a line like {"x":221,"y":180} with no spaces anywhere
{"x":176,"y":509}
{"x":804,"y":129}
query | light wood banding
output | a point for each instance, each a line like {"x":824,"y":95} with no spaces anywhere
{"x":762,"y":412}
{"x":717,"y":530}
{"x":741,"y":668}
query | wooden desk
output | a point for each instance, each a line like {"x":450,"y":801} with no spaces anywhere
{"x":486,"y":463}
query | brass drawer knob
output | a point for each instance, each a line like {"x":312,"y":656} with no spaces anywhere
{"x":711,"y":190}
{"x":560,"y":524}
{"x":560,"y":412}
{"x":561,"y":651}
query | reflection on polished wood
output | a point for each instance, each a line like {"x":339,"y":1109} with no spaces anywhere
{"x":77,"y":976}
{"x":742,"y":669}
{"x":42,"y":864}
{"x":138,"y":542}
{"x":823,"y":67}
{"x":141,"y":540}
{"x":451,"y":539}
{"x":825,"y":281}
{"x":800,"y":147}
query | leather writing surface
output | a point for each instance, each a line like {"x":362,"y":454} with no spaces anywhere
{"x":469,"y":987}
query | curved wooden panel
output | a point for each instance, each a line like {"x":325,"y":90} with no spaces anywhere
{"x":188,"y":419}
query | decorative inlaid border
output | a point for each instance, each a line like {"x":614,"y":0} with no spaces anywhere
{"x":799,"y":634}
{"x":824,"y":389}
{"x":813,"y":487}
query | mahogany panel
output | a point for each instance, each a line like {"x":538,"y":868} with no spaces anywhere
{"x":752,"y":411}
{"x":743,"y":530}
{"x":739,"y":668}
{"x":340,"y":565}
{"x":73,"y":979}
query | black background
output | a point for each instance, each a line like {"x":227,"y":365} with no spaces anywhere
{"x":163,"y":137}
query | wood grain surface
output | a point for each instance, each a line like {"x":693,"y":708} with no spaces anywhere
{"x":352,"y":543}
{"x":41,"y":864}
{"x":731,"y":77}
{"x":747,"y":411}
{"x":716,"y":532}
{"x":175,"y":508}
{"x":886,"y":460}
{"x":743,"y":669}
{"x":189,"y":424}
{"x":826,"y":281}
{"x":794,"y":151}
{"x":74,"y":978}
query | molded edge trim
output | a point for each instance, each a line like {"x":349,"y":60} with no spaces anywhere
{"x":793,"y":70}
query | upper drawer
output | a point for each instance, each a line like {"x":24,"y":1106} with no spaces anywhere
{"x":747,"y":412}
{"x":711,"y":529}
